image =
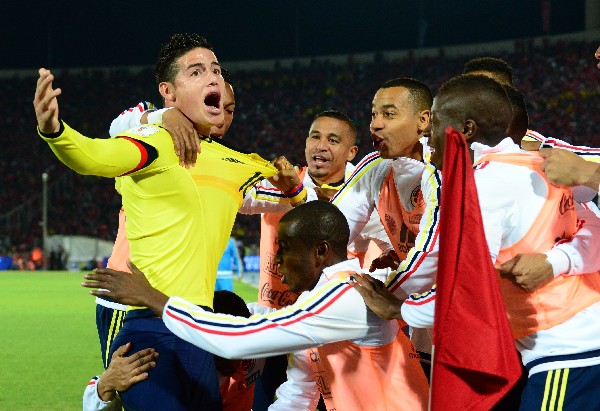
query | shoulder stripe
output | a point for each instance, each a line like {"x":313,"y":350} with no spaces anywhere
{"x":205,"y":322}
{"x":427,"y":239}
{"x":365,"y":164}
{"x":583,"y":151}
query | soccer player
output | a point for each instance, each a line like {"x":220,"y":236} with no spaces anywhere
{"x":393,"y":185}
{"x":329,"y":148}
{"x":178,"y":219}
{"x":351,"y":355}
{"x":555,"y":326}
{"x":110,"y":315}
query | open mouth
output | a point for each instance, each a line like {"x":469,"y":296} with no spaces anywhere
{"x":319,"y":160}
{"x":377,"y":142}
{"x":213,"y":100}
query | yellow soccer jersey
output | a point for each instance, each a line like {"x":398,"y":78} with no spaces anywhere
{"x":178,"y":220}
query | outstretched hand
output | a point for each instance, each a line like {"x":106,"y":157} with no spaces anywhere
{"x":45,"y":103}
{"x":124,"y":371}
{"x":377,"y":297}
{"x":125,"y":288}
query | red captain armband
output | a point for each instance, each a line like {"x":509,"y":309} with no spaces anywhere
{"x":296,"y":195}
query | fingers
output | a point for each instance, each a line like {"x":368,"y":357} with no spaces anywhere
{"x":359,"y":288}
{"x":545,"y":152}
{"x":143,"y":362}
{"x":133,"y":268}
{"x":194,"y":146}
{"x":506,"y":269}
{"x":375,"y":264}
{"x":122,"y":350}
{"x":179,"y":147}
{"x":368,"y":282}
{"x":360,"y":280}
{"x":282,"y":163}
{"x":44,"y":92}
{"x":185,"y":138}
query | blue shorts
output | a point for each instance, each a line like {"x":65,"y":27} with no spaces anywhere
{"x":184,"y":378}
{"x":563,"y":389}
{"x":108,"y":322}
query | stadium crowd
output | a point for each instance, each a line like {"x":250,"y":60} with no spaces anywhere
{"x":274,"y":108}
{"x":504,"y":281}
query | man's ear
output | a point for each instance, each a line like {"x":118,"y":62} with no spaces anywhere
{"x":424,"y":121}
{"x":352,"y":153}
{"x":322,"y":250}
{"x":469,"y":129}
{"x":167,"y":91}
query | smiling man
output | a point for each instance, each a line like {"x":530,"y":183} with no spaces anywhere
{"x":167,"y":207}
{"x":340,"y":348}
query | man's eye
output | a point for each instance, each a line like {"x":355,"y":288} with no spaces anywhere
{"x":217,"y":71}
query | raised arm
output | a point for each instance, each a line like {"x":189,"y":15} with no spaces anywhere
{"x":45,"y":103}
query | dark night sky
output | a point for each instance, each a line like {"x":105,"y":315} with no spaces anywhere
{"x":75,"y":34}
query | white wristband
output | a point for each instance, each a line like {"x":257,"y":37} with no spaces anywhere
{"x":155,"y":117}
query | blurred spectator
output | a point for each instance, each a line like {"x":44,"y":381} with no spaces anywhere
{"x":274,"y":108}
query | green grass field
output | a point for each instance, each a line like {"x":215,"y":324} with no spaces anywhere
{"x":48,"y":336}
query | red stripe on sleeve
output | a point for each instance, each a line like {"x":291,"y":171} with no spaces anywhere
{"x":143,"y":154}
{"x":255,"y":330}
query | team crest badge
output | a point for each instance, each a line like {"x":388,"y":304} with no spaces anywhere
{"x":145,"y":131}
{"x":416,"y":196}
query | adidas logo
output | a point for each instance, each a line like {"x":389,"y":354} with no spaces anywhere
{"x":232,"y":160}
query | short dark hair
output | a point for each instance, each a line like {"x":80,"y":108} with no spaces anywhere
{"x":481,"y":99}
{"x":496,"y":66}
{"x":318,"y":221}
{"x":166,"y":67}
{"x":520,"y":119}
{"x":338,"y":115}
{"x":420,"y":94}
{"x":226,"y":302}
{"x":227,"y":76}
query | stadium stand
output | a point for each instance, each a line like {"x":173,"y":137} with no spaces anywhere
{"x":274,"y":108}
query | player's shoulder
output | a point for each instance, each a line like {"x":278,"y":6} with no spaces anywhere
{"x":371,"y":165}
{"x":145,"y":132}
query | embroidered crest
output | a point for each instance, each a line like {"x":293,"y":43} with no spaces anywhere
{"x":416,"y":196}
{"x":145,"y":131}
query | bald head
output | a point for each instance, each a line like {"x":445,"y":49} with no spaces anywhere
{"x":493,"y":67}
{"x":318,"y":221}
{"x":476,"y":106}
